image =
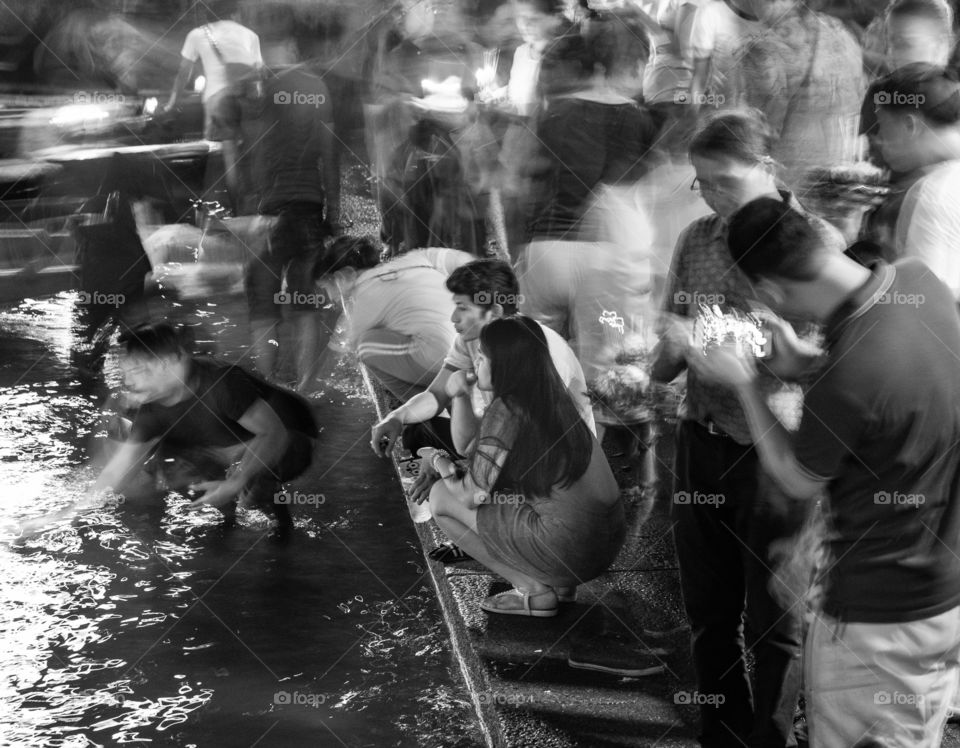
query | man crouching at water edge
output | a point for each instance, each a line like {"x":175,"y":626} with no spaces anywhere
{"x":880,"y":433}
{"x":213,"y":428}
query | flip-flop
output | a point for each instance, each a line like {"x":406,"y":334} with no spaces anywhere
{"x":517,"y":603}
{"x":448,"y":553}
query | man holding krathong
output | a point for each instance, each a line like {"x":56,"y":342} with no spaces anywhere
{"x":879,"y":435}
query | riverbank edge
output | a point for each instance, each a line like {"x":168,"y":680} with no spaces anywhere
{"x":471,"y":669}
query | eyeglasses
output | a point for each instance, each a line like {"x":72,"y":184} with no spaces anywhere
{"x":699,"y":186}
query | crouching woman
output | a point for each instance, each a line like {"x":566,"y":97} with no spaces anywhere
{"x":537,"y":503}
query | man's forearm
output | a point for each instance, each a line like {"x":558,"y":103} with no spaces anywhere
{"x":418,"y":409}
{"x":262,"y":452}
{"x":183,"y":75}
{"x":773,"y":444}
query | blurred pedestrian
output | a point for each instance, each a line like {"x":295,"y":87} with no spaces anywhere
{"x":295,"y":164}
{"x":593,"y":140}
{"x":802,"y":70}
{"x":230,"y":56}
{"x":918,"y":113}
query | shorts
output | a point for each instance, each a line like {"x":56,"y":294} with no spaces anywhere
{"x":222,"y":116}
{"x":293,"y":248}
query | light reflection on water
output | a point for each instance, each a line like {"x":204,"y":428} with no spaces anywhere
{"x":146,"y":622}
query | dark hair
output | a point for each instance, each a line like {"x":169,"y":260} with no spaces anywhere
{"x":767,"y":237}
{"x":931,"y":90}
{"x":554,"y":447}
{"x":156,"y":339}
{"x":934,"y":10}
{"x":223,"y":9}
{"x":487,"y":282}
{"x":741,"y":134}
{"x":357,"y":252}
{"x":617,"y":40}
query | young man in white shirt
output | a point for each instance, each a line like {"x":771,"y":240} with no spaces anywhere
{"x":482,"y":290}
{"x":230,"y":54}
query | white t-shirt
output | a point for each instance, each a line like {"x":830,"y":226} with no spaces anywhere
{"x":719,"y":32}
{"x":408,"y":295}
{"x":928,"y":226}
{"x":463,"y":357}
{"x":524,"y":74}
{"x":236,"y":43}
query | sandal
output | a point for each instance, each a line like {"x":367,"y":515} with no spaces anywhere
{"x":566,"y":594}
{"x":517,"y":603}
{"x":448,"y":553}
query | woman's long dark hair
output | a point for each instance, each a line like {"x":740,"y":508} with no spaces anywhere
{"x":554,"y":444}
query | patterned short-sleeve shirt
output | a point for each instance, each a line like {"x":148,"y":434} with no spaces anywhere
{"x":703,"y":271}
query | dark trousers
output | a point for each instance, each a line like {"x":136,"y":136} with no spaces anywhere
{"x":724,"y":528}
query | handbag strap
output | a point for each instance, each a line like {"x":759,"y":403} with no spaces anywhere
{"x":213,"y":43}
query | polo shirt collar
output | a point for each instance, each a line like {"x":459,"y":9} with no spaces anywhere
{"x":858,"y":303}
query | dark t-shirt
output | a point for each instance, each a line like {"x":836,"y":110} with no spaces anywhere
{"x":587,"y":143}
{"x":286,"y":129}
{"x":882,"y":425}
{"x":209,"y":417}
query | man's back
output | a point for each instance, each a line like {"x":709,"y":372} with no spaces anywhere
{"x":882,"y":423}
{"x":287,"y":131}
{"x":238,"y":47}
